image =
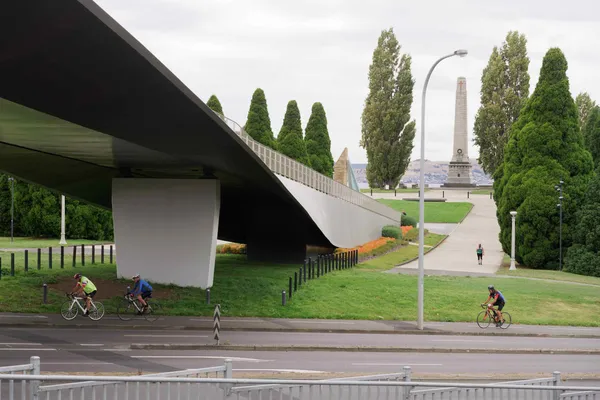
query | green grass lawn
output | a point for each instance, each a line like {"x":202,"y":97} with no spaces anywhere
{"x":19,"y":256}
{"x":411,"y":190}
{"x":434,"y":212}
{"x":545,"y":274}
{"x":482,"y":191}
{"x":23,"y":243}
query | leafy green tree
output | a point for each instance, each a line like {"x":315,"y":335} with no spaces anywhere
{"x":545,"y":146}
{"x":387,"y":132}
{"x":318,"y":143}
{"x":504,"y":91}
{"x":585,"y":105}
{"x":591,"y":134}
{"x":215,"y":105}
{"x":290,"y":140}
{"x":583,"y":257}
{"x":258,"y":125}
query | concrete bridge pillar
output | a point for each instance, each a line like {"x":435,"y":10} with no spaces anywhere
{"x":166,"y":229}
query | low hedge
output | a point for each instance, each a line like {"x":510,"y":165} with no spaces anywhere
{"x":391,"y":231}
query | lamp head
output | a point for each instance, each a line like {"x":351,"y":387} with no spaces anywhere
{"x":461,"y":53}
{"x":513,"y":213}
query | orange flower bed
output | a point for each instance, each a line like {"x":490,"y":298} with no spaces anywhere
{"x":231,"y":248}
{"x":369,"y":246}
{"x":405,"y":229}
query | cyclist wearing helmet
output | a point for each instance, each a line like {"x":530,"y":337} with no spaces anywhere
{"x":142,"y":290}
{"x":498,"y":300}
{"x":84,"y":287}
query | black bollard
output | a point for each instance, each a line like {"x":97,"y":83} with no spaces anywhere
{"x":318,"y":267}
{"x":45,"y":293}
{"x":12,"y":264}
{"x":62,"y":256}
{"x":283,"y":298}
{"x":26,"y":260}
{"x":295,"y":281}
{"x":49,"y":257}
{"x":443,"y":194}
{"x":468,"y":193}
{"x":300,"y":277}
{"x":208,"y":296}
{"x":290,"y":288}
{"x":111,"y":254}
{"x":39,"y":258}
{"x":74,"y":256}
{"x":304,"y":270}
{"x":102,"y":254}
{"x":83,"y":255}
{"x":93,"y":254}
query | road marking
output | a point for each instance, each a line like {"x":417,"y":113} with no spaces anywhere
{"x":299,"y":371}
{"x":76,"y":363}
{"x":91,"y":344}
{"x":23,"y":316}
{"x":169,"y":336}
{"x":462,"y":340}
{"x":397,"y":364}
{"x":240,"y":359}
{"x":24,"y":349}
{"x":20,"y":344}
{"x":333,"y":322}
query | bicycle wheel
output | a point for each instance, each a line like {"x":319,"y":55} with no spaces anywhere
{"x":126,"y":310}
{"x":97,"y":311}
{"x":68,"y":310}
{"x":507,"y":320}
{"x":483,"y":319}
{"x":153,"y":312}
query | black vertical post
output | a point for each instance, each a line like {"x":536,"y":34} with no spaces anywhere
{"x":318,"y":267}
{"x":82,"y":255}
{"x":49,"y":257}
{"x":290,"y":291}
{"x":93,"y":254}
{"x":304,"y":270}
{"x":356,"y":256}
{"x":74,"y":256}
{"x":295,"y":281}
{"x":300,"y":277}
{"x":12,"y":264}
{"x":394,"y":192}
{"x":39,"y":258}
{"x":283,"y":297}
{"x":468,"y":193}
{"x":208,"y":296}
{"x":111,"y":254}
{"x":26,"y":260}
{"x":45,"y":293}
{"x":337,"y":261}
{"x":102,"y":254}
{"x":62,"y":256}
{"x":443,"y":194}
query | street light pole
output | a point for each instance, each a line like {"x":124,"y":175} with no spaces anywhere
{"x":63,"y":240}
{"x":460,"y":53}
{"x":559,"y":188}
{"x":513,"y":267}
{"x":12,"y":207}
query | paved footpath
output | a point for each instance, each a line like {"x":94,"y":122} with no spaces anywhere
{"x":8,"y":320}
{"x":457,"y":252}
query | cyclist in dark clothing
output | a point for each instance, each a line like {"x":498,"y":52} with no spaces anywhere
{"x":499,"y":301}
{"x":142,"y":290}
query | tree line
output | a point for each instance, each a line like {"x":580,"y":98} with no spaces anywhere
{"x":37,"y":214}
{"x":311,"y":147}
{"x":529,"y":144}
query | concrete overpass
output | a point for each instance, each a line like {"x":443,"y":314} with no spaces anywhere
{"x":87,"y":111}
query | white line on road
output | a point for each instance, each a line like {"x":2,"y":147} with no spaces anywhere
{"x":20,"y":344}
{"x":23,"y":316}
{"x":332,"y":322}
{"x":116,"y":349}
{"x":298,"y":371}
{"x":91,"y":344}
{"x":169,"y":336}
{"x":239,"y":359}
{"x":398,"y":364}
{"x":462,"y":340}
{"x":226,"y":320}
{"x":76,"y":363}
{"x":24,"y":349}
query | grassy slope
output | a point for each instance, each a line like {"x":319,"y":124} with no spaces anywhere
{"x":21,"y":243}
{"x":434,"y":212}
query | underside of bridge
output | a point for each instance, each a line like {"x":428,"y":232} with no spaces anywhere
{"x":84,"y":108}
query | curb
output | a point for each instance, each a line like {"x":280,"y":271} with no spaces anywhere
{"x":426,"y":331}
{"x":367,"y":349}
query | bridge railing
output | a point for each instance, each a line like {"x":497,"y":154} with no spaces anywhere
{"x":292,"y":169}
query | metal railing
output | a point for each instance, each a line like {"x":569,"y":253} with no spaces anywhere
{"x":178,"y":388}
{"x":292,"y":169}
{"x":10,"y":377}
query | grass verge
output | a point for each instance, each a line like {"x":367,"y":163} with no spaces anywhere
{"x":434,"y":212}
{"x":33,"y":243}
{"x":525,"y":272}
{"x":482,"y":191}
{"x":411,"y":190}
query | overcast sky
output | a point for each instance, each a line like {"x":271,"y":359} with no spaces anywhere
{"x":320,"y":50}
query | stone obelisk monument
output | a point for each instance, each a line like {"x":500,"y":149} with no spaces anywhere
{"x":459,"y":170}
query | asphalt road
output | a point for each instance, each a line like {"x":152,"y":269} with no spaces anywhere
{"x":66,"y":350}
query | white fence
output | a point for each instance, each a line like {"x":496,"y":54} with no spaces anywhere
{"x":292,"y":169}
{"x":199,"y":384}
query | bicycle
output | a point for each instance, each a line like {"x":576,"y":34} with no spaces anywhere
{"x":485,"y":317}
{"x":130,"y":308}
{"x":69,"y":311}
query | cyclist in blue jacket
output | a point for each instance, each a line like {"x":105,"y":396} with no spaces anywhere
{"x":142,"y":290}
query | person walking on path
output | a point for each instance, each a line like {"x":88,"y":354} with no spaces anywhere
{"x":480,"y":254}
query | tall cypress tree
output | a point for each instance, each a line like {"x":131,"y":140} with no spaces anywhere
{"x":318,"y":143}
{"x":387,"y":132}
{"x":290,"y":140}
{"x":258,"y":125}
{"x":215,"y":105}
{"x":545,"y":146}
{"x":504,"y":91}
{"x":591,"y":134}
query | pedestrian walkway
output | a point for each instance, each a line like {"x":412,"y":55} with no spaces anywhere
{"x":457,"y":252}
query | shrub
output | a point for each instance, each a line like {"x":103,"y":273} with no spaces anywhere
{"x":231,"y":248}
{"x":412,"y":235}
{"x":391,"y":231}
{"x":407,"y":220}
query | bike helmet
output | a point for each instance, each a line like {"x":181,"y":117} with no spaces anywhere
{"x":77,"y":276}
{"x":491,"y":287}
{"x":135,"y":276}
